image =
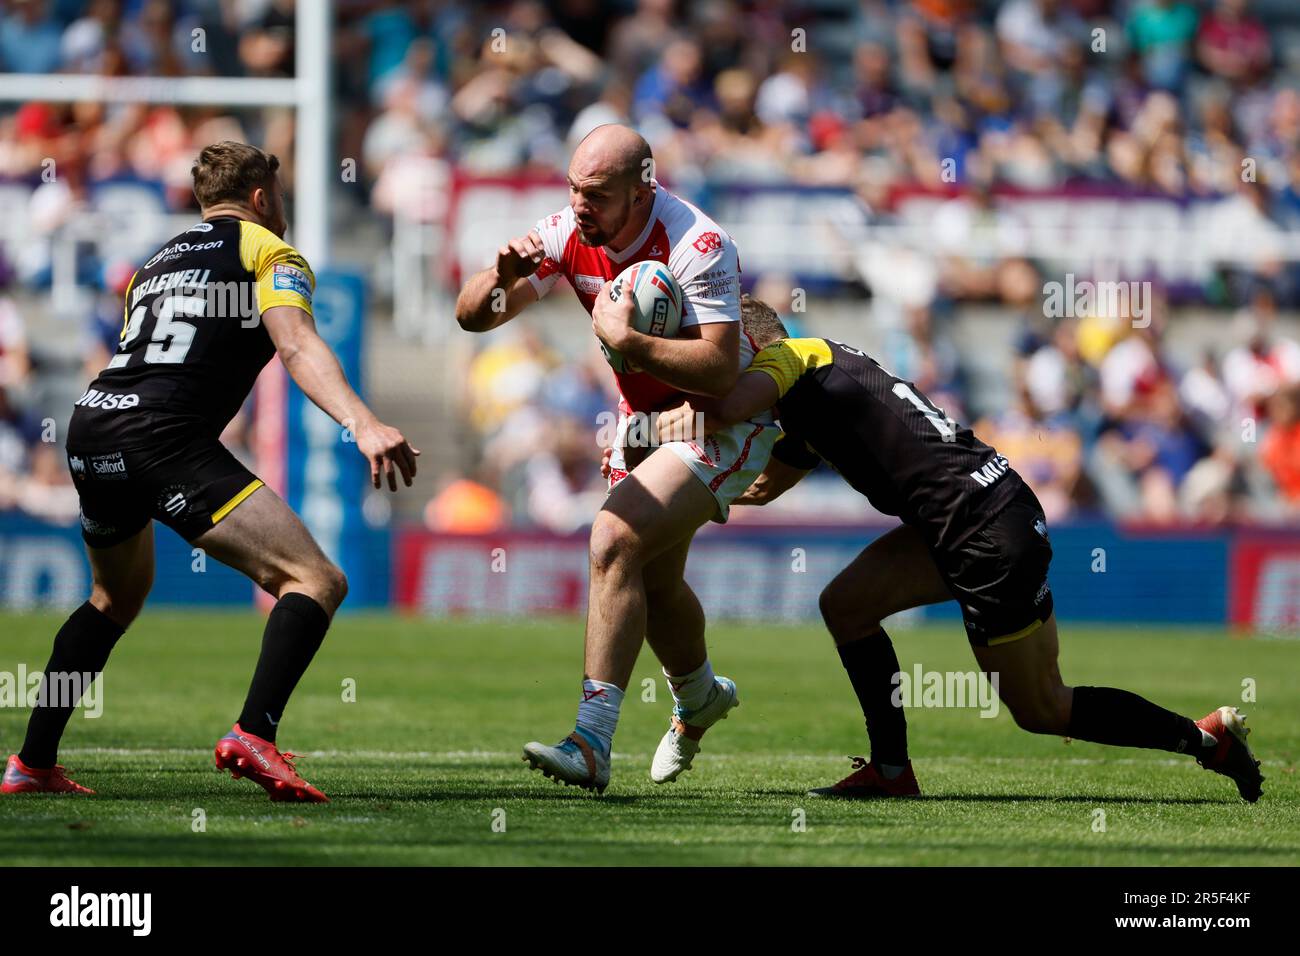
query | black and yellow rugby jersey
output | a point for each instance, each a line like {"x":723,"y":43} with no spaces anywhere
{"x":192,"y":340}
{"x":885,"y":438}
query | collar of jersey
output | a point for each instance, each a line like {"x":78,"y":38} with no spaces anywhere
{"x":635,"y":245}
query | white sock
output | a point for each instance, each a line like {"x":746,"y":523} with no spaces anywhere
{"x":691,"y":691}
{"x":598,"y":713}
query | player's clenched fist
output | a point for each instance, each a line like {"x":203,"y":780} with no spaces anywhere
{"x":520,"y":257}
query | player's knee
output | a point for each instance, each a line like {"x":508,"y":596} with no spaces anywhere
{"x":122,"y":606}
{"x":613,"y":545}
{"x":844,"y":611}
{"x":1042,"y":714}
{"x":329,"y":586}
{"x":323,"y":581}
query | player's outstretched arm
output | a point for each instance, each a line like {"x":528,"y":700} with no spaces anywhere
{"x":496,"y":295}
{"x":777,"y":478}
{"x":311,"y":363}
{"x":754,"y":393}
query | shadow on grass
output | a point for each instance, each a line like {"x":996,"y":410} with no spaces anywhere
{"x":1005,"y":798}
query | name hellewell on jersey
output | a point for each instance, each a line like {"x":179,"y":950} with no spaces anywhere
{"x":189,"y":280}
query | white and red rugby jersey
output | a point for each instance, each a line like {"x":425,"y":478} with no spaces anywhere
{"x":696,"y":250}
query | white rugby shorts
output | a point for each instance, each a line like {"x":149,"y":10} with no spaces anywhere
{"x":727,"y":462}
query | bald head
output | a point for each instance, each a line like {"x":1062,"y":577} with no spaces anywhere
{"x":617,"y":154}
{"x":611,"y":185}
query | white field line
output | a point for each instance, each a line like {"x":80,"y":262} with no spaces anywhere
{"x":486,"y":755}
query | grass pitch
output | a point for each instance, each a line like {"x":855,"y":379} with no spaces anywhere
{"x":424,"y":765}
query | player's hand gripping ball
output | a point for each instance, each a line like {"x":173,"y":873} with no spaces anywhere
{"x":658,"y":311}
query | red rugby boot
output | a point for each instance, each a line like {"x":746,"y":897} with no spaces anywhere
{"x":247,"y":755}
{"x":20,"y":778}
{"x":1231,"y":756}
{"x":866,"y":782}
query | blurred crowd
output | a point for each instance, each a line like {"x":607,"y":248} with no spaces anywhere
{"x":1170,"y":98}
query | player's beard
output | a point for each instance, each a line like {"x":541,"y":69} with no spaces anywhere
{"x":598,"y":238}
{"x":603,"y":237}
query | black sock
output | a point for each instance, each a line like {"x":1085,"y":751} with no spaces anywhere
{"x":872,"y":665}
{"x":1105,"y":715}
{"x":82,"y":646}
{"x":294,"y":632}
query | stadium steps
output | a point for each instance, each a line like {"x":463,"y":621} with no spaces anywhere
{"x":414,"y":388}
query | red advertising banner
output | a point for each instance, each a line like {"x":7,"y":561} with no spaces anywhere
{"x":1264,"y":592}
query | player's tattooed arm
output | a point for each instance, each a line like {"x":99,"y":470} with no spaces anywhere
{"x":316,"y":369}
{"x":777,"y":478}
{"x":496,"y":295}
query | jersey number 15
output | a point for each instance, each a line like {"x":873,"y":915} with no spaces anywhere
{"x":171,"y":339}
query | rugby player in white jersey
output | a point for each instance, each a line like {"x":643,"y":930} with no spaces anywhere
{"x":659,"y":496}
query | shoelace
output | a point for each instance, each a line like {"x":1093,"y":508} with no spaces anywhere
{"x":858,"y":764}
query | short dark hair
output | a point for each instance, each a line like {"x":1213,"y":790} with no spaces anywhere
{"x":230,"y":171}
{"x":761,"y":322}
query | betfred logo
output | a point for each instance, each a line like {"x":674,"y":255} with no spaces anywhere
{"x":659,"y":321}
{"x":707,"y":242}
{"x":108,"y":400}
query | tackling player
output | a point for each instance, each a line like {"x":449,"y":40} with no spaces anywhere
{"x":618,"y":215}
{"x":972,"y":530}
{"x":202,"y":318}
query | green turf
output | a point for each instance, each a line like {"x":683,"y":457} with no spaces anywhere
{"x":429,"y":750}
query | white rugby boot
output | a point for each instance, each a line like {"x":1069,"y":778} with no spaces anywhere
{"x":571,"y":761}
{"x":682,"y":741}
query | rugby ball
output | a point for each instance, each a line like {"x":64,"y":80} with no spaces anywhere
{"x":658,"y":300}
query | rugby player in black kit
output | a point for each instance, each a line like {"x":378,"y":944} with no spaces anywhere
{"x":202,"y":318}
{"x":972,"y":530}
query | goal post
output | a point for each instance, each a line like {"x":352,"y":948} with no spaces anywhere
{"x":307,"y":93}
